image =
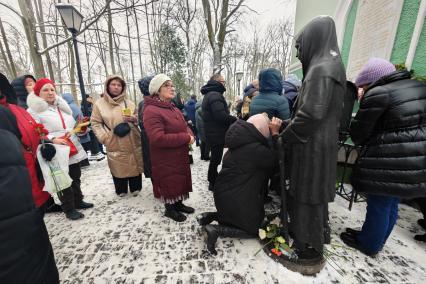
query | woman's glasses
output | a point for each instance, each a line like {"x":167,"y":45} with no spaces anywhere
{"x":168,"y":85}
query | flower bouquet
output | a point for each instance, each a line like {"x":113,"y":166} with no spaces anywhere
{"x":281,"y":250}
{"x":81,"y":126}
{"x":273,"y":242}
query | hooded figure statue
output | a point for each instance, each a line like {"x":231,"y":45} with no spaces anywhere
{"x":311,"y":137}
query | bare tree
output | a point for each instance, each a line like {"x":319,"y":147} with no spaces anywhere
{"x":29,"y":23}
{"x":40,"y":19}
{"x":6,"y":54}
{"x":139,"y":38}
{"x":218,"y":22}
{"x":110,"y":39}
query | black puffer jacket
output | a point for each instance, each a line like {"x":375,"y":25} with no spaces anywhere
{"x":238,"y":190}
{"x":25,"y":249}
{"x":18,"y":85}
{"x":391,"y":127}
{"x":216,"y":115}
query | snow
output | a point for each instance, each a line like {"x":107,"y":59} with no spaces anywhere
{"x":127,"y":240}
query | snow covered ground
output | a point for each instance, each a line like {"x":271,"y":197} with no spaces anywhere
{"x":127,"y":240}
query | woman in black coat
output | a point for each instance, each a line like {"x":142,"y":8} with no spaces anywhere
{"x":390,"y":127}
{"x":25,"y":249}
{"x":238,"y":191}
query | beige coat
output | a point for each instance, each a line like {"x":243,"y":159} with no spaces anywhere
{"x":124,"y":153}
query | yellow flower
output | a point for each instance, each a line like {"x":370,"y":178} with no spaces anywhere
{"x":280,"y":239}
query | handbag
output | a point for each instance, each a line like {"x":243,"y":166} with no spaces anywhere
{"x":73,"y":149}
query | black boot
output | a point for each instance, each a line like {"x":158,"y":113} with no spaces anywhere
{"x":84,"y":205}
{"x":173,"y":214}
{"x":353,"y":231}
{"x":74,"y":214}
{"x":179,"y":206}
{"x":214,"y":231}
{"x":54,"y":208}
{"x":206,"y":218}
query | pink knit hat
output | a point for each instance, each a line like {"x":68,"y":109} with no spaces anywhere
{"x":373,"y":70}
{"x":261,"y":122}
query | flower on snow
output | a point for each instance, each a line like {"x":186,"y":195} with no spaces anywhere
{"x":262,"y":234}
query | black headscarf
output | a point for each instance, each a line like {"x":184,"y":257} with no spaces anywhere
{"x":317,"y":43}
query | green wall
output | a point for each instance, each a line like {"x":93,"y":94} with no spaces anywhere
{"x":298,"y":72}
{"x":405,"y":30}
{"x":419,"y":62}
{"x":349,"y":30}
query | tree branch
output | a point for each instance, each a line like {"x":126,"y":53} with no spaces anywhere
{"x":104,"y":9}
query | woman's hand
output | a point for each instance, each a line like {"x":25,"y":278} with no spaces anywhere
{"x":132,"y":118}
{"x":59,"y":141}
{"x":274,"y":126}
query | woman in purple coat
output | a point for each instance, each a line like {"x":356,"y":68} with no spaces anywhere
{"x":169,"y":137}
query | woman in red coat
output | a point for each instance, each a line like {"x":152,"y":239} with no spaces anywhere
{"x":30,"y":139}
{"x":169,"y":137}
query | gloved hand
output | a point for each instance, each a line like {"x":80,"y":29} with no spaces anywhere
{"x":48,"y":151}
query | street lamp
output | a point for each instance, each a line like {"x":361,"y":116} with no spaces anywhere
{"x":72,"y":19}
{"x":239,"y":75}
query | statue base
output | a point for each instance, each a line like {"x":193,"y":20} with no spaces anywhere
{"x":308,"y":267}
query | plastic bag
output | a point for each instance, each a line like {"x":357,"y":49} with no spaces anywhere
{"x":55,"y":172}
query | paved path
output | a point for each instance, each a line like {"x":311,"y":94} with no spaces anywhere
{"x":127,"y":240}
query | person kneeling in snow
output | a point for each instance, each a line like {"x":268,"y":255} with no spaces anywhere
{"x":238,"y":190}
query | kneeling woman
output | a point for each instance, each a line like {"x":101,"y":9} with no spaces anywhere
{"x":238,"y":191}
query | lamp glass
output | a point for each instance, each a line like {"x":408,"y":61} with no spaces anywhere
{"x":239,"y":75}
{"x":71,"y":16}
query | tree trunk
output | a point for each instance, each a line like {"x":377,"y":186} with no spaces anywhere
{"x":139,"y":40}
{"x":58,"y":55}
{"x":110,"y":40}
{"x":151,"y":51}
{"x":28,"y":22}
{"x":7,"y":55}
{"x":89,"y":74}
{"x":131,"y":55}
{"x":40,"y":19}
{"x":72,"y":68}
{"x":118,"y":58}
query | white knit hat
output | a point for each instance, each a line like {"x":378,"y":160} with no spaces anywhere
{"x":157,"y":82}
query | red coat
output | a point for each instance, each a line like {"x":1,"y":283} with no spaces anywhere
{"x":30,"y":141}
{"x":168,"y":136}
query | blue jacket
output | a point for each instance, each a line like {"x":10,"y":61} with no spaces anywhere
{"x":269,"y":99}
{"x":290,"y":92}
{"x":76,"y":113}
{"x":190,"y":110}
{"x":199,"y":123}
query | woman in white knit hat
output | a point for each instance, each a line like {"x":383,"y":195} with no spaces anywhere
{"x":169,"y":137}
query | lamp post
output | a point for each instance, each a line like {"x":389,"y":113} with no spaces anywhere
{"x":72,"y":19}
{"x":239,"y":75}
